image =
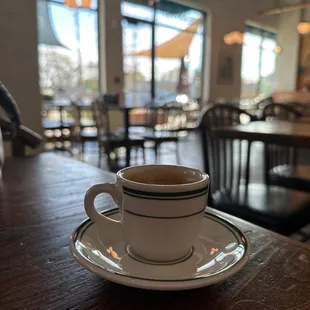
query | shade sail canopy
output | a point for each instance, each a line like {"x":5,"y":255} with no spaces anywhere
{"x":177,"y":47}
{"x":167,"y":6}
{"x":46,"y":32}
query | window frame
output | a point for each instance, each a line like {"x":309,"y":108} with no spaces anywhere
{"x":264,"y":34}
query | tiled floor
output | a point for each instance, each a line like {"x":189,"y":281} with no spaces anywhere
{"x":189,"y":150}
{"x":191,"y":155}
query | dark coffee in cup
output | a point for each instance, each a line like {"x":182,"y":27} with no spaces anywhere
{"x":160,"y":176}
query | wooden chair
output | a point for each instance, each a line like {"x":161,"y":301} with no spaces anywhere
{"x":228,"y":163}
{"x":224,"y":114}
{"x":216,"y":115}
{"x":281,"y":161}
{"x":83,"y":131}
{"x":163,"y":127}
{"x":60,"y":129}
{"x":299,"y":107}
{"x":11,"y":128}
{"x":19,"y":136}
{"x":110,"y":142}
{"x":280,"y":111}
{"x":192,"y":113}
{"x":174,"y":117}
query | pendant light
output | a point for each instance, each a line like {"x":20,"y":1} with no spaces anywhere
{"x":235,"y":37}
{"x":71,"y":4}
{"x":303,"y":26}
{"x":86,"y":4}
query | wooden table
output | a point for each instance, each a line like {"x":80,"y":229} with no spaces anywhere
{"x":278,"y":132}
{"x":42,"y":202}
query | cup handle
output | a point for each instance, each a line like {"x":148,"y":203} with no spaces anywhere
{"x":91,"y":211}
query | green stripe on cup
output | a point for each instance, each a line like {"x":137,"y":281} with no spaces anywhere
{"x":166,"y":196}
{"x":165,"y":217}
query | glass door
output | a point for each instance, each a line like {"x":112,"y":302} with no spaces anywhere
{"x":178,"y":51}
{"x":163,"y":51}
{"x":137,"y":66}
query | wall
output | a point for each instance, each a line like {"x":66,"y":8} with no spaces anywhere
{"x":19,"y":58}
{"x":111,"y":45}
{"x":111,"y":54}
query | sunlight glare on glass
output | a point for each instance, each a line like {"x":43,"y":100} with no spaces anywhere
{"x":269,"y":44}
{"x":252,"y":39}
{"x":137,"y":11}
{"x":182,"y":98}
{"x":180,"y":21}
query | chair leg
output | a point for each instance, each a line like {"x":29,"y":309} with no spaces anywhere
{"x":115,"y":160}
{"x":99,"y":158}
{"x":83,"y":146}
{"x":156,"y":152}
{"x":266,"y":163}
{"x":136,"y":154}
{"x":109,"y":161}
{"x":143,"y":155}
{"x":128,"y":156}
{"x":177,"y":153}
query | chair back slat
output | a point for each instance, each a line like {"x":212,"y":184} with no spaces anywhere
{"x":239,"y":163}
{"x":229,"y":163}
{"x":226,"y":160}
{"x":174,"y":116}
{"x":230,"y":155}
{"x":101,"y":114}
{"x":280,"y":155}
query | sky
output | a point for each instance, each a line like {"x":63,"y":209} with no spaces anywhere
{"x":63,"y":20}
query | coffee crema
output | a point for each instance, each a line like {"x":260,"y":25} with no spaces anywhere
{"x":160,"y":178}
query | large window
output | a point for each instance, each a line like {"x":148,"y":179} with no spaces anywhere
{"x":163,"y":51}
{"x":258,"y":62}
{"x":68,"y":49}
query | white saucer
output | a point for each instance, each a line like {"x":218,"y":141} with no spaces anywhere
{"x":220,"y":250}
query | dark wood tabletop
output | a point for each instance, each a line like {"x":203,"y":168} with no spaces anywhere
{"x":42,"y":202}
{"x":280,"y":132}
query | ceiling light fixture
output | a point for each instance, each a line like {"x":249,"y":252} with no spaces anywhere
{"x":278,"y":49}
{"x":72,"y":4}
{"x":235,"y":37}
{"x":86,"y":4}
{"x":303,"y":27}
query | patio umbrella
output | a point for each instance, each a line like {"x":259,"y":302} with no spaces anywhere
{"x":177,"y":47}
{"x":46,"y":31}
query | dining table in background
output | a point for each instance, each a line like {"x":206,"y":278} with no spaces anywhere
{"x":41,"y":203}
{"x":295,"y":134}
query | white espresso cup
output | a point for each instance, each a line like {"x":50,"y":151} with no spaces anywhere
{"x":162,"y":207}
